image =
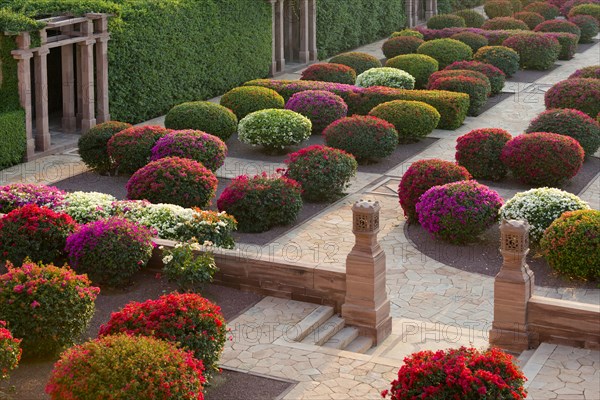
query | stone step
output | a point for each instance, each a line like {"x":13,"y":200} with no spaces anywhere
{"x":343,"y":338}
{"x":524,"y":357}
{"x":303,"y":328}
{"x":536,"y":361}
{"x":360,"y":345}
{"x":325,"y":331}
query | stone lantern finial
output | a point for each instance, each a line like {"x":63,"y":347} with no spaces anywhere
{"x":514,"y":242}
{"x":365,"y":216}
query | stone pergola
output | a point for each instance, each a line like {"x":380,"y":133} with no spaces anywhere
{"x":419,"y":11}
{"x":83,"y":42}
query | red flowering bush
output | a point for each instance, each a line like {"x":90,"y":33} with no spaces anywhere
{"x":399,"y":45}
{"x":593,"y":71}
{"x":323,"y":172}
{"x":244,"y":100}
{"x":442,"y":21}
{"x":367,"y":138}
{"x":320,"y":106}
{"x":261,"y":202}
{"x":546,"y":10}
{"x":498,"y":8}
{"x":588,"y":25}
{"x":542,"y":158}
{"x":535,"y":51}
{"x":504,"y":23}
{"x":501,"y":57}
{"x":17,"y":195}
{"x":359,"y":62}
{"x":10,"y":351}
{"x":477,"y":88}
{"x":419,"y":66}
{"x":130,"y":149}
{"x":188,"y":319}
{"x":328,"y":72}
{"x":446,"y":51}
{"x":423,"y":175}
{"x":557,"y":25}
{"x":203,"y":116}
{"x":35,"y":232}
{"x":531,"y":19}
{"x":496,"y":77}
{"x":473,"y":40}
{"x":479,"y":152}
{"x":173,"y":180}
{"x":123,"y":367}
{"x":463,"y":373}
{"x":582,"y":94}
{"x":93,"y":145}
{"x":413,"y":120}
{"x":46,"y":306}
{"x":472,"y":18}
{"x":196,"y":145}
{"x":592,"y":10}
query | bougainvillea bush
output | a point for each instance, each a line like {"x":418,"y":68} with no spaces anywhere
{"x":413,"y":120}
{"x":173,"y":180}
{"x":329,"y":72}
{"x":582,"y":94}
{"x":570,"y":244}
{"x":93,"y":145}
{"x":17,"y":195}
{"x":274,"y":129}
{"x":130,"y":149}
{"x":535,"y":51}
{"x":423,"y":175}
{"x":478,"y":89}
{"x":540,"y":207}
{"x":386,"y":76}
{"x":319,"y":106}
{"x":463,"y":373}
{"x":189,"y":266}
{"x":504,"y":23}
{"x":46,"y":306}
{"x":10,"y":351}
{"x":399,"y":45}
{"x":359,"y":62}
{"x":501,"y":57}
{"x":479,"y":152}
{"x":86,"y":207}
{"x":323,"y":172}
{"x":121,"y":367}
{"x":203,"y":116}
{"x":419,"y":66}
{"x":442,"y":21}
{"x":189,"y":319}
{"x":496,"y":77}
{"x":246,"y":99}
{"x":473,"y":40}
{"x":530,"y":18}
{"x":593,"y":71}
{"x":446,"y":51}
{"x":547,"y":10}
{"x":261,"y":202}
{"x":196,"y":145}
{"x":589,"y":27}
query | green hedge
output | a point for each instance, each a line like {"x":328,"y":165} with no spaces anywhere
{"x":448,"y":6}
{"x":12,"y":138}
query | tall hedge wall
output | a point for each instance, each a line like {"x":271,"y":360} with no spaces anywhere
{"x":347,"y":24}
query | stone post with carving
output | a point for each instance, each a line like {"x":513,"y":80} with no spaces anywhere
{"x":366,"y":305}
{"x":513,"y":287}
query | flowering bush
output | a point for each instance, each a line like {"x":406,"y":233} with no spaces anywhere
{"x":244,"y":100}
{"x":85,"y":207}
{"x":187,"y":265}
{"x":479,"y":152}
{"x":386,"y":76}
{"x":203,"y":116}
{"x":571,"y":243}
{"x":367,"y":138}
{"x":588,"y":25}
{"x":189,"y":319}
{"x":496,"y":77}
{"x":110,"y":250}
{"x":568,"y":5}
{"x":274,"y":129}
{"x":592,"y":10}
{"x":93,"y":145}
{"x":546,"y":10}
{"x":123,"y":367}
{"x":328,"y":72}
{"x":498,"y":8}
{"x":504,"y":23}
{"x":423,"y":175}
{"x":571,"y":123}
{"x":199,"y":146}
{"x":130,"y":149}
{"x":501,"y":57}
{"x":261,"y":202}
{"x":10,"y":351}
{"x":398,"y":45}
{"x":535,"y":51}
{"x":359,"y":62}
{"x":446,"y":51}
{"x":413,"y":120}
{"x":442,"y":21}
{"x":582,"y":94}
{"x":173,"y":180}
{"x":473,"y":40}
{"x":320,"y":106}
{"x":323,"y":172}
{"x":46,"y":306}
{"x":408,"y":32}
{"x":17,"y":195}
{"x":35,"y":232}
{"x":531,"y":19}
{"x":568,"y":44}
{"x":419,"y":66}
{"x":462,"y":373}
{"x":472,"y":18}
{"x":478,"y":89}
{"x":458,"y":73}
{"x":593,"y":71}
{"x":540,"y":207}
{"x":557,"y":25}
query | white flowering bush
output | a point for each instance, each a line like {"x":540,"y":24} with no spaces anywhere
{"x":386,"y":76}
{"x":189,"y":264}
{"x":540,"y":207}
{"x":86,"y":207}
{"x":274,"y":129}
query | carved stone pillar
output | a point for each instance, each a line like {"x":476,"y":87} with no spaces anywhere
{"x":430,"y":8}
{"x":273,"y":67}
{"x":88,"y":109}
{"x":312,"y":31}
{"x":411,"y":11}
{"x":279,"y":36}
{"x":42,"y":128}
{"x":304,"y":32}
{"x":23,"y":57}
{"x":102,"y":70}
{"x":69,"y":122}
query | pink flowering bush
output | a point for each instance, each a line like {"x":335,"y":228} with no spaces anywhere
{"x":329,"y":72}
{"x":17,"y":195}
{"x":10,"y":351}
{"x":319,"y":106}
{"x":582,"y":94}
{"x":589,"y":27}
{"x":495,"y":75}
{"x":593,"y":71}
{"x":110,"y":250}
{"x":131,"y":148}
{"x":173,"y":180}
{"x":536,"y":51}
{"x":46,"y":306}
{"x":479,"y":152}
{"x":195,"y":145}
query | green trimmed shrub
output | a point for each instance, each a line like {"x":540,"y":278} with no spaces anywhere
{"x":131,"y":148}
{"x":496,"y":77}
{"x":93,"y":145}
{"x":582,"y":94}
{"x":359,"y":62}
{"x":557,"y":25}
{"x":386,"y":76}
{"x":568,"y":44}
{"x":546,"y":10}
{"x":504,"y":23}
{"x":593,"y":10}
{"x":203,"y":116}
{"x":401,"y":45}
{"x":419,"y":66}
{"x":408,"y":32}
{"x":501,"y":57}
{"x":244,"y":100}
{"x":12,"y":132}
{"x":516,"y":5}
{"x":274,"y":129}
{"x":412,"y":119}
{"x":588,"y":25}
{"x":498,"y":8}
{"x":329,"y":72}
{"x":446,"y":51}
{"x":479,"y":152}
{"x":477,"y":89}
{"x":535,"y":51}
{"x":532,"y":19}
{"x":442,"y":21}
{"x":473,"y":40}
{"x":472,"y":18}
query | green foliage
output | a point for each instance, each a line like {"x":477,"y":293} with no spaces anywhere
{"x":186,"y":265}
{"x":12,"y":138}
{"x":359,"y":62}
{"x":473,"y":40}
{"x":412,"y":119}
{"x":244,"y":100}
{"x":399,"y":45}
{"x":419,"y":66}
{"x":446,"y":51}
{"x":586,"y":9}
{"x":498,"y":8}
{"x":442,"y":21}
{"x":536,"y":51}
{"x":501,"y":57}
{"x":472,"y":18}
{"x":530,"y":18}
{"x":93,"y":145}
{"x":203,"y":116}
{"x":504,"y":23}
{"x":407,"y":32}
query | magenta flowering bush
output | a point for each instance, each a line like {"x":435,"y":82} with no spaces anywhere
{"x":495,"y":75}
{"x":130,"y":149}
{"x":582,"y":94}
{"x":320,"y":106}
{"x":593,"y":71}
{"x":196,"y":145}
{"x":10,"y":351}
{"x":18,"y":195}
{"x":479,"y":152}
{"x":458,"y":212}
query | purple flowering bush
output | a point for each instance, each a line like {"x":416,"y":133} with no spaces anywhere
{"x":18,"y":195}
{"x":196,"y":145}
{"x":319,"y":106}
{"x":110,"y":250}
{"x":458,"y":212}
{"x":582,"y":94}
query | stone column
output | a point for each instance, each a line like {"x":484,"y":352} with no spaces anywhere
{"x":366,"y":305}
{"x":102,"y":70}
{"x":430,"y":8}
{"x":304,"y":32}
{"x":23,"y":57}
{"x":88,"y":113}
{"x":513,"y":287}
{"x":410,"y":9}
{"x":273,"y":67}
{"x":312,"y":31}
{"x":69,"y":122}
{"x":279,"y":36}
{"x":42,"y":128}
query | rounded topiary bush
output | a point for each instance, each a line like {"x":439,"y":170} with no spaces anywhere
{"x":501,"y":57}
{"x":530,"y":18}
{"x":18,"y":195}
{"x":323,"y":172}
{"x":504,"y":23}
{"x":517,"y":5}
{"x":359,"y":62}
{"x":458,"y":212}
{"x":473,"y":40}
{"x":261,"y":202}
{"x":274,"y":129}
{"x":423,"y":175}
{"x":131,"y":148}
{"x":479,"y":152}
{"x":442,"y":21}
{"x":365,"y":137}
{"x":593,"y":10}
{"x":203,"y":116}
{"x":566,"y":7}
{"x":408,"y":32}
{"x":34,"y":232}
{"x":124,"y":367}
{"x":593,"y":71}
{"x":413,"y":120}
{"x":477,"y":88}
{"x":535,"y":51}
{"x":319,"y":106}
{"x":571,"y":244}
{"x":588,"y":25}
{"x":568,"y":44}
{"x":568,"y":122}
{"x":48,"y":307}
{"x":582,"y":94}
{"x":173,"y":180}
{"x":329,"y":72}
{"x":542,"y":158}
{"x":472,"y":18}
{"x":446,"y":51}
{"x":10,"y":351}
{"x":246,"y":99}
{"x":401,"y":45}
{"x":386,"y":76}
{"x":196,"y":145}
{"x":546,"y":10}
{"x":540,"y":207}
{"x":419,"y":66}
{"x":93,"y":145}
{"x":498,"y":8}
{"x":557,"y":25}
{"x":86,"y":207}
{"x":496,"y":77}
